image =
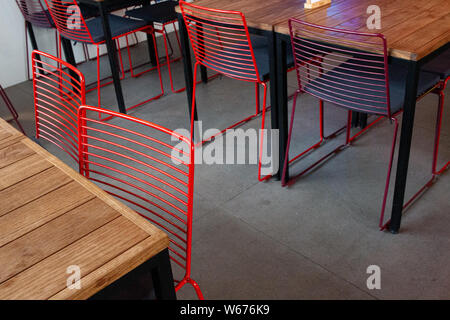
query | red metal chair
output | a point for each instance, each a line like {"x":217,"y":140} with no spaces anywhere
{"x":59,"y":90}
{"x":161,"y":14}
{"x":150,"y":168}
{"x":35,"y":14}
{"x":221,"y":42}
{"x":354,"y":74}
{"x":71,"y":24}
{"x":10,"y":106}
{"x":441,"y":67}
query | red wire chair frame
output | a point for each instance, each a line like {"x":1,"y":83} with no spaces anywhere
{"x":438,"y":129}
{"x":79,"y":32}
{"x":167,"y":58}
{"x":294,"y":24}
{"x":124,"y":143}
{"x":57,"y":96}
{"x":158,"y":67}
{"x":369,"y":50}
{"x":34,"y":12}
{"x":10,"y":106}
{"x":435,"y":173}
{"x":198,"y":22}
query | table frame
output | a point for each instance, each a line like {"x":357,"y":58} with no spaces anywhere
{"x":105,"y":7}
{"x":157,"y":268}
{"x":278,"y":44}
{"x":280,"y":78}
{"x":189,"y":75}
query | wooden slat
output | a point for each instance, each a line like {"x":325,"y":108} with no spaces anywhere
{"x":49,"y":277}
{"x":413,"y":28}
{"x":22,"y":170}
{"x":53,"y":236}
{"x":117,"y":205}
{"x":8,"y":135}
{"x":34,"y":214}
{"x":114,"y":269}
{"x":13,"y":153}
{"x":426,"y":39}
{"x":30,"y":189}
{"x":51,"y":217}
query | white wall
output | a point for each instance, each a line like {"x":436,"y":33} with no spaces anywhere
{"x":12,"y":44}
{"x":13,"y":67}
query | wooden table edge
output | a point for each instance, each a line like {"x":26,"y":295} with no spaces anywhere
{"x":261,"y":26}
{"x":114,"y":269}
{"x":127,"y":212}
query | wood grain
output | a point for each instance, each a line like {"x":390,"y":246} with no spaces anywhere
{"x":42,"y":210}
{"x":8,"y":135}
{"x":13,"y":153}
{"x":30,"y":189}
{"x":53,"y":236}
{"x":22,"y":170}
{"x":114,"y":269}
{"x":89,"y":253}
{"x":51,"y":217}
{"x":413,"y":28}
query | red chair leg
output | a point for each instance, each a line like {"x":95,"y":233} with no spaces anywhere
{"x":197,"y":289}
{"x":438,"y":136}
{"x":159,"y":95}
{"x":315,"y":146}
{"x":388,"y":178}
{"x":435,"y":173}
{"x":158,"y":67}
{"x":10,"y":106}
{"x":98,"y":79}
{"x":263,"y":121}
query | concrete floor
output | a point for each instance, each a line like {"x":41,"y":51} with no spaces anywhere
{"x":314,"y":240}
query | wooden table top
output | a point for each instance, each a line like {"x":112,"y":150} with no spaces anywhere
{"x":51,"y":218}
{"x":413,"y":28}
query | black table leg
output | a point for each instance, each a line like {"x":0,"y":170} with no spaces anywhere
{"x":151,"y":46}
{"x":271,"y":40}
{"x":112,"y":54}
{"x":203,"y":71}
{"x":32,"y":36}
{"x":152,"y":279}
{"x":405,"y":146}
{"x":187,"y":62}
{"x":282,"y":99}
{"x":162,"y":277}
{"x":70,"y":58}
{"x":68,"y":51}
{"x":355,"y":119}
{"x":33,"y":41}
{"x":363,"y":120}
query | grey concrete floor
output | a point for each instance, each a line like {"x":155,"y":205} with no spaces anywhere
{"x":314,"y":240}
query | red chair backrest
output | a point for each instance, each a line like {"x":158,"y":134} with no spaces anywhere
{"x":353,"y":69}
{"x":68,"y":20}
{"x":221,"y":41}
{"x":59,"y":90}
{"x":148,"y":167}
{"x":33,"y":11}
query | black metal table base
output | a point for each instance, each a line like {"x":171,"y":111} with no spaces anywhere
{"x":151,"y":280}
